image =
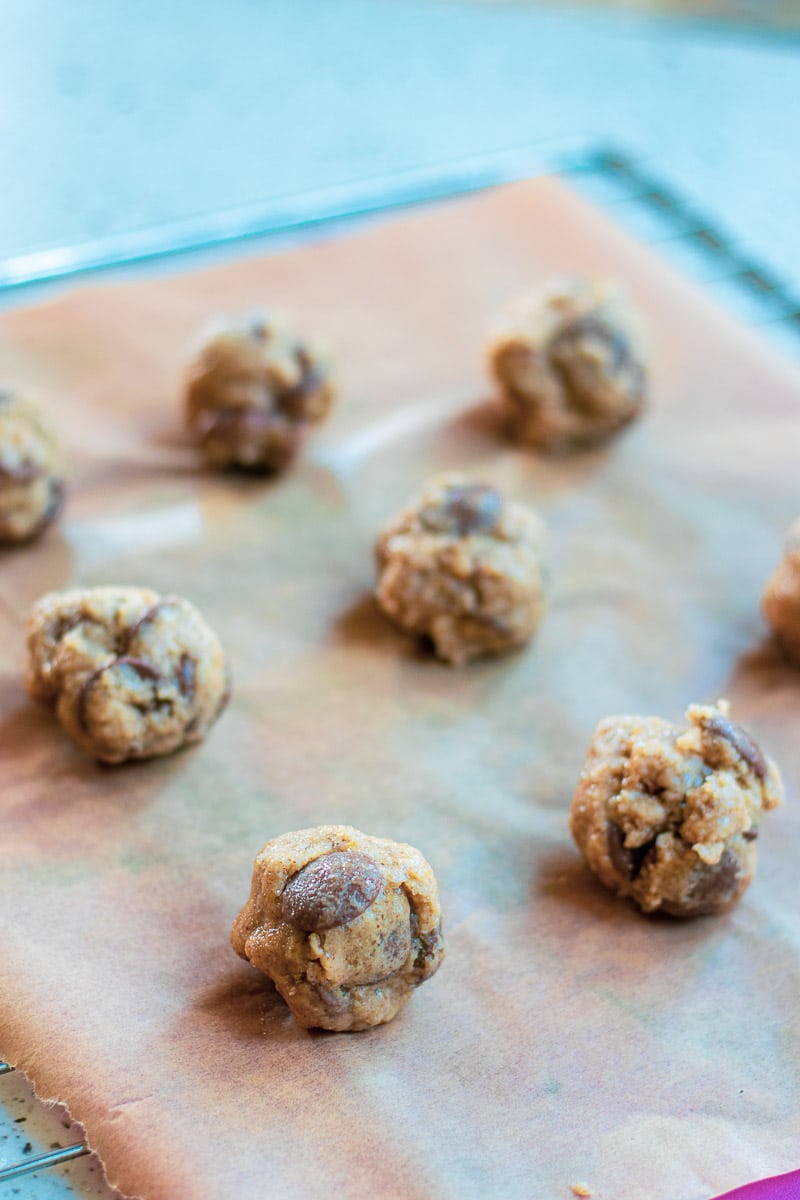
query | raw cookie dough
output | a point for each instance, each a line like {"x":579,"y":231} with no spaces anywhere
{"x":345,"y":925}
{"x":781,"y":602}
{"x":669,"y":815}
{"x":251,"y":393}
{"x":31,"y":487}
{"x":463,"y":568}
{"x":130,"y":674}
{"x":569,"y":364}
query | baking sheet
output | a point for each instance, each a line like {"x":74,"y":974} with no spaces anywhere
{"x":566,"y":1039}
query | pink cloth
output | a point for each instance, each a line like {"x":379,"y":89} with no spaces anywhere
{"x":779,"y":1187}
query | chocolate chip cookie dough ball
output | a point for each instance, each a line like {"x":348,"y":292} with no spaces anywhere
{"x":130,"y":674}
{"x":463,"y":569}
{"x":251,"y":394}
{"x":345,"y":925}
{"x":569,"y":365}
{"x":781,"y":602}
{"x":31,"y":486}
{"x":669,"y":814}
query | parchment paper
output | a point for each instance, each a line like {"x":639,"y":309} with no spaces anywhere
{"x":566,"y":1039}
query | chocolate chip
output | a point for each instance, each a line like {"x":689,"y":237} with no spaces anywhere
{"x":331,"y":890}
{"x":140,"y":666}
{"x":186,"y":675}
{"x":741,"y":741}
{"x":712,"y":888}
{"x":627,"y":860}
{"x":590,"y":328}
{"x":465,"y":508}
{"x":473,"y":507}
{"x":395,"y":947}
{"x":430,"y":944}
{"x":750,"y":835}
{"x":291,"y":400}
{"x":621,"y":857}
{"x":65,"y":624}
{"x":83,"y":696}
{"x":149,"y":615}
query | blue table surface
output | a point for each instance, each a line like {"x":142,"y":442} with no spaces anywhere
{"x":119,"y":117}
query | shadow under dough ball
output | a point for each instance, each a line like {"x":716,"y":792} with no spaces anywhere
{"x":129,"y":673}
{"x":781,"y":601}
{"x":668,"y":815}
{"x":568,"y":361}
{"x":463,"y":568}
{"x":31,"y":483}
{"x":346,"y":925}
{"x":252,"y":392}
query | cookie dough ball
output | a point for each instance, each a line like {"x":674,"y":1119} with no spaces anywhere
{"x":569,"y":365}
{"x":252,"y":392}
{"x":129,"y":673}
{"x":669,"y":814}
{"x":31,"y":486}
{"x":463,"y":568}
{"x":781,"y":602}
{"x":345,"y":925}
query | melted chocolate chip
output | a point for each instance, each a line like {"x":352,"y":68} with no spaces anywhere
{"x":741,"y":741}
{"x":628,"y":861}
{"x":713,"y":887}
{"x":590,"y":328}
{"x":139,"y":666}
{"x":84,"y":693}
{"x":429,"y":947}
{"x":291,"y":400}
{"x":395,"y":947}
{"x":149,"y":615}
{"x":750,"y":835}
{"x":473,"y":508}
{"x":65,"y":624}
{"x":332,"y":890}
{"x":186,"y":675}
{"x":621,"y":857}
{"x":465,"y":508}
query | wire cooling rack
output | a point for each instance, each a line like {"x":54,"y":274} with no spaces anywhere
{"x":634,"y":196}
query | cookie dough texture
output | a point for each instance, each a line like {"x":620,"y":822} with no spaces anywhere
{"x":669,"y":814}
{"x":31,"y":484}
{"x":781,"y":601}
{"x":346,"y":925}
{"x":463,"y":568}
{"x":129,"y":673}
{"x":252,"y":392}
{"x":569,"y":364}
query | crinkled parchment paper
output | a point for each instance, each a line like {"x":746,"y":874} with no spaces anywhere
{"x":566,"y":1038}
